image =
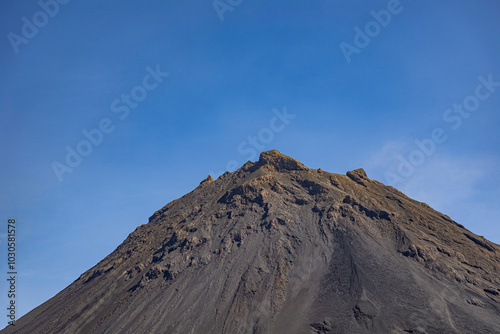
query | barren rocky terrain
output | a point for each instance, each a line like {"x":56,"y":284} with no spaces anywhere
{"x":276,"y":247}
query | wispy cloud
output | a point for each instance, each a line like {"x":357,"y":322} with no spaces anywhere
{"x":448,"y":180}
{"x":385,"y":157}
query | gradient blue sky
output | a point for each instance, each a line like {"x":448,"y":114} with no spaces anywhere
{"x":226,"y":78}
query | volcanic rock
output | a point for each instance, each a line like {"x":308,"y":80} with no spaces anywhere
{"x":276,"y":247}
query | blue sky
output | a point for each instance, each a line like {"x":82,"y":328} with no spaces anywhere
{"x":226,"y":81}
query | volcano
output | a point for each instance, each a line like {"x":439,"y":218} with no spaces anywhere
{"x":276,"y":247}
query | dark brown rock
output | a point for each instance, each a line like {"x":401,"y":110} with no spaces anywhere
{"x":358,"y":175}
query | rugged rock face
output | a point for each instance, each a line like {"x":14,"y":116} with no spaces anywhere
{"x":276,"y":247}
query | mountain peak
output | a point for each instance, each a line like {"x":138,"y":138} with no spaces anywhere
{"x":276,"y":247}
{"x":280,"y":161}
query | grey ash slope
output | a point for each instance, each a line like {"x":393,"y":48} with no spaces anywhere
{"x":276,"y":247}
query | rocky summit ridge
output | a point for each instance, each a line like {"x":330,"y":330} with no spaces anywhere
{"x":276,"y":247}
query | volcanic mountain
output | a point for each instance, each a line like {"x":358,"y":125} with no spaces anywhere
{"x":276,"y":247}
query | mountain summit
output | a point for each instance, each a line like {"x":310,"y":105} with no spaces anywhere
{"x":276,"y":247}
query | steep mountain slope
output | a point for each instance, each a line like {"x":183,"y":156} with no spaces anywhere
{"x":276,"y":247}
